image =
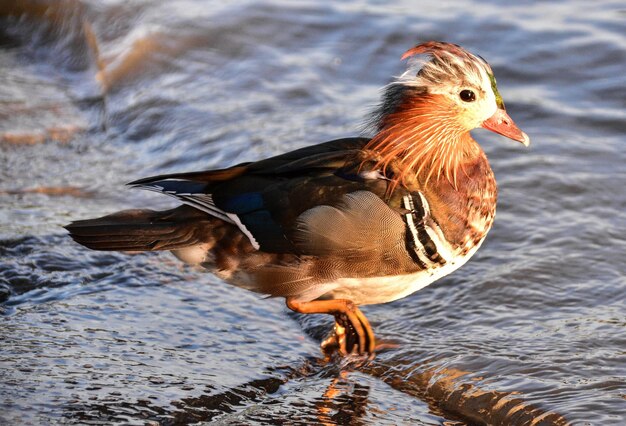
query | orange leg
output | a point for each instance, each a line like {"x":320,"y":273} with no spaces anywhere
{"x":353,"y":333}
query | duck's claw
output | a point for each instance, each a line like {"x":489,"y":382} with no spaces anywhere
{"x":334,"y":342}
{"x":349,"y":338}
{"x":352,"y":333}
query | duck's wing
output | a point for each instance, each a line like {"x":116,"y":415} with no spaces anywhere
{"x":265,"y":199}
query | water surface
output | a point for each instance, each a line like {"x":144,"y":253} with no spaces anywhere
{"x":95,"y":94}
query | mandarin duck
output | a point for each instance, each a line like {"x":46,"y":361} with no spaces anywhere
{"x":349,"y":222}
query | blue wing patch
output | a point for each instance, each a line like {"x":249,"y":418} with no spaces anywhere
{"x":243,"y":203}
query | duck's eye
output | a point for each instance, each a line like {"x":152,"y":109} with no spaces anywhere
{"x":467,"y":95}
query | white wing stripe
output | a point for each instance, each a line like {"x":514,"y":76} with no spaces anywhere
{"x":205,"y":203}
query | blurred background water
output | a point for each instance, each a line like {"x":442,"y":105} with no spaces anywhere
{"x":94,"y":94}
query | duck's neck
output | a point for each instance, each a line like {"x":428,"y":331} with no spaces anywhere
{"x":419,"y":138}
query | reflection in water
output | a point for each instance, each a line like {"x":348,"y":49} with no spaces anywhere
{"x":445,"y":390}
{"x":343,"y":402}
{"x":206,"y":407}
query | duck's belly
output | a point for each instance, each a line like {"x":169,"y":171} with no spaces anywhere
{"x":368,"y":291}
{"x":360,"y":290}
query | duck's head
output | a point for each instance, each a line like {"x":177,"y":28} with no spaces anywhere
{"x":464,"y":84}
{"x":424,"y":120}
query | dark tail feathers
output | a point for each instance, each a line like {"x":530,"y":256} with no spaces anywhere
{"x":142,"y":230}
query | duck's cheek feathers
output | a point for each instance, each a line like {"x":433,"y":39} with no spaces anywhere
{"x":487,"y":108}
{"x":484,"y":107}
{"x":472,"y":116}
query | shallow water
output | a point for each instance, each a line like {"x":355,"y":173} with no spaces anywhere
{"x":95,"y":94}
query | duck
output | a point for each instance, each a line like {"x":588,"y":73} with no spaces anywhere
{"x":350,"y":222}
